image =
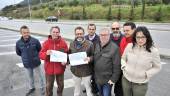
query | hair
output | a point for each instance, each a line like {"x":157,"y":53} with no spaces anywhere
{"x":146,"y":33}
{"x":57,"y":27}
{"x":23,"y":27}
{"x":79,"y":28}
{"x":133,"y":26}
{"x":91,"y":24}
{"x":105,"y":30}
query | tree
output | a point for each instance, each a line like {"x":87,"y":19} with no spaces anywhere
{"x":109,"y":15}
{"x":143,"y":10}
{"x":119,"y":11}
{"x":84,"y":11}
{"x":131,"y":16}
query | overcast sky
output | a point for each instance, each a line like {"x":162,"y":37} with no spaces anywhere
{"x":4,"y":3}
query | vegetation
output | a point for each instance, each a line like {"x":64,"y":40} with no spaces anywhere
{"x":136,"y":10}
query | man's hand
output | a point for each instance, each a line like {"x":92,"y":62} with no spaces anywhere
{"x":87,"y":59}
{"x":48,"y":52}
{"x":63,"y":63}
{"x":110,"y":82}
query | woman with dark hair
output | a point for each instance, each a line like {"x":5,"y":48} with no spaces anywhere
{"x":140,"y":61}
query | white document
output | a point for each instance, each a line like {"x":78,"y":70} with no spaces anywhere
{"x":58,"y":56}
{"x":78,"y":58}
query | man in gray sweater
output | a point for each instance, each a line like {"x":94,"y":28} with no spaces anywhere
{"x":106,"y":63}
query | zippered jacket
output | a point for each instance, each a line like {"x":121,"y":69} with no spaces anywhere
{"x":52,"y":68}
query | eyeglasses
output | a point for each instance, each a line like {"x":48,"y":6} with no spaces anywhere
{"x":140,"y":37}
{"x":115,"y":28}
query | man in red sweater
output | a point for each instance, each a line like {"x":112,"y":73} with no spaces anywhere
{"x":128,"y":28}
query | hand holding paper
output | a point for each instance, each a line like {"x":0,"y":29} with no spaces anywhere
{"x":78,"y":58}
{"x":57,"y":56}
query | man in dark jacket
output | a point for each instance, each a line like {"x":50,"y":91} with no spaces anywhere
{"x":116,"y":36}
{"x":28,"y":48}
{"x":106,"y":63}
{"x":82,"y":72}
{"x":94,"y":38}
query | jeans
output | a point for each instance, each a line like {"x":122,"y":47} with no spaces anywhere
{"x":31,"y":77}
{"x":105,"y":90}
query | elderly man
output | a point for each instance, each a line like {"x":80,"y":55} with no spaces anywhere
{"x":116,"y":36}
{"x":106,"y":63}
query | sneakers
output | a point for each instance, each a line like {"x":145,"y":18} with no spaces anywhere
{"x":84,"y":91}
{"x":30,"y":91}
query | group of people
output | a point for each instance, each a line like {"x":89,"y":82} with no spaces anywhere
{"x":118,"y":63}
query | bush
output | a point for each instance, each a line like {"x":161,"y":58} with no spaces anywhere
{"x":35,"y":8}
{"x":105,"y":3}
{"x":43,"y":6}
{"x":73,"y":3}
{"x":158,"y":15}
{"x":61,"y":4}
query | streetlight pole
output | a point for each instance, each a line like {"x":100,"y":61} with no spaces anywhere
{"x":29,"y":8}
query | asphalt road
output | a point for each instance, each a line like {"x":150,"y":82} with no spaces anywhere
{"x":13,"y":77}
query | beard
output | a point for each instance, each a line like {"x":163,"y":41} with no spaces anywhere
{"x":80,"y":39}
{"x":116,"y":34}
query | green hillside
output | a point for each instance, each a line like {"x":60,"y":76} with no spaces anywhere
{"x":156,"y":11}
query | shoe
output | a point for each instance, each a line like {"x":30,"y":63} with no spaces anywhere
{"x":30,"y":91}
{"x":84,"y":91}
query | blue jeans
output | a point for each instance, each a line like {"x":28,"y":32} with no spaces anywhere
{"x":31,"y":77}
{"x":105,"y":90}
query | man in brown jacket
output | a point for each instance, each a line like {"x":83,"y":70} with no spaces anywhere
{"x":83,"y":72}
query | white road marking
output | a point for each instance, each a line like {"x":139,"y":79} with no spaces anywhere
{"x":9,"y":40}
{"x":9,"y":36}
{"x":163,"y":63}
{"x":13,"y":45}
{"x":20,"y":65}
{"x":7,"y":53}
{"x":7,"y":45}
{"x":2,"y":34}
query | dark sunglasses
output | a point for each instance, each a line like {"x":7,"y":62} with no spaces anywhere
{"x":115,"y":28}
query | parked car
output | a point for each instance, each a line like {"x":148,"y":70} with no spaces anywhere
{"x":52,"y":19}
{"x":10,"y":18}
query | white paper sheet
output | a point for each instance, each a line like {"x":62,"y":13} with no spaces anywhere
{"x":77,"y":58}
{"x":58,"y":56}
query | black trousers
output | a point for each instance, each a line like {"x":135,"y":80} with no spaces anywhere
{"x":118,"y":87}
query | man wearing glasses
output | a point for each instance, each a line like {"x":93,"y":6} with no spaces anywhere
{"x":106,"y":63}
{"x":116,"y":36}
